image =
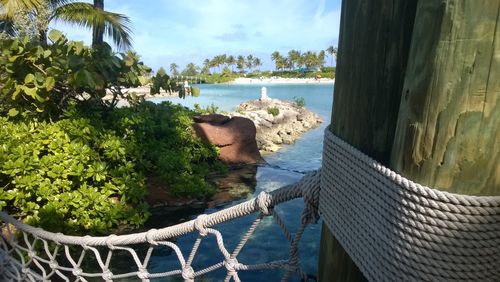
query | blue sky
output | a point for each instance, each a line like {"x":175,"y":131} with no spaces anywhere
{"x":184,"y":31}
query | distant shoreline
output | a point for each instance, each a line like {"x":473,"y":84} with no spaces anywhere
{"x":280,"y":80}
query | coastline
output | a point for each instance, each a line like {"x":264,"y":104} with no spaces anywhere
{"x":145,"y":92}
{"x":280,"y":80}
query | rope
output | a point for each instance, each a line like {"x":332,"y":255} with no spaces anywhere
{"x":393,"y":229}
{"x":33,"y":254}
{"x":397,"y":230}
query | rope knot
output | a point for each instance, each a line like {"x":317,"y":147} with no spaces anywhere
{"x":31,"y":253}
{"x":108,"y":243}
{"x":188,"y":273}
{"x":53,"y":264}
{"x":143,"y":273}
{"x":263,"y":201}
{"x":199,"y":224}
{"x":232,"y":265}
{"x":148,"y":237}
{"x":107,"y":275}
{"x":77,"y":272}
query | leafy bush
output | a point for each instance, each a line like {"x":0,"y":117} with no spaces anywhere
{"x":273,"y":111}
{"x":299,"y":101}
{"x":212,"y":109}
{"x":43,"y":82}
{"x":69,"y":176}
{"x":166,"y":146}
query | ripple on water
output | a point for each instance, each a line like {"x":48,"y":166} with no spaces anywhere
{"x":268,"y":242}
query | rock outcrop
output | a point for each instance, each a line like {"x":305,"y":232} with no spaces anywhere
{"x":234,"y":136}
{"x":277,"y":121}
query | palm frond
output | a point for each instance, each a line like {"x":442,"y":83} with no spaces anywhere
{"x":9,"y":7}
{"x":116,"y":26}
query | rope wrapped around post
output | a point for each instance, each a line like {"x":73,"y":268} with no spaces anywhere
{"x":397,"y":230}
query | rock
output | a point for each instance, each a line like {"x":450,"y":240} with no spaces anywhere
{"x":287,"y":139}
{"x":212,"y":118}
{"x":285,"y":128}
{"x":272,"y":148}
{"x":234,"y":136}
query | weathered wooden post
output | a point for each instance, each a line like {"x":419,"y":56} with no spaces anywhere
{"x":449,"y":118}
{"x":373,"y":47}
{"x":448,"y":132}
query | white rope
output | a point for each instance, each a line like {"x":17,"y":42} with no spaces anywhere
{"x":393,"y":229}
{"x":33,"y":254}
{"x":397,"y":230}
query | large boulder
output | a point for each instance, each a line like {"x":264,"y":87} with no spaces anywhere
{"x":234,"y":136}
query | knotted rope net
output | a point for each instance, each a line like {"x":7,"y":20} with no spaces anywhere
{"x":32,"y":254}
{"x":397,"y":230}
{"x":393,"y":229}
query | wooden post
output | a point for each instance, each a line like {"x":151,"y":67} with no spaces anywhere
{"x":373,"y":48}
{"x":448,"y":125}
{"x":448,"y":131}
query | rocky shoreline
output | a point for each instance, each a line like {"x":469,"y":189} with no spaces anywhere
{"x":276,"y":128}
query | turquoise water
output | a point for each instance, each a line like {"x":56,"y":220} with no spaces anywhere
{"x":268,"y":242}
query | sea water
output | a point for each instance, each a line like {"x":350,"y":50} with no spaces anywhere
{"x":268,"y":242}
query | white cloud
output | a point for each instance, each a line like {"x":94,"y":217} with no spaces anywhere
{"x":191,"y":30}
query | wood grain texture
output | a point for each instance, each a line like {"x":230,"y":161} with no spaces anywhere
{"x":374,"y":43}
{"x":448,"y":134}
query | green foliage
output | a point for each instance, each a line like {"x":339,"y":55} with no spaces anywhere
{"x":165,"y":145}
{"x":299,"y":101}
{"x":163,"y":81}
{"x":69,"y":176}
{"x":212,"y":109}
{"x":45,"y":81}
{"x":273,"y":111}
{"x":220,"y":78}
{"x":195,"y":91}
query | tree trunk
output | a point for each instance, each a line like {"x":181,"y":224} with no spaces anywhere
{"x":448,"y":133}
{"x":373,"y":49}
{"x":98,"y":30}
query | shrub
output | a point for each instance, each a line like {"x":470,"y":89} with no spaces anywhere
{"x":166,"y":146}
{"x":43,"y":82}
{"x":69,"y":176}
{"x":299,"y":101}
{"x":273,"y":111}
{"x":212,"y":109}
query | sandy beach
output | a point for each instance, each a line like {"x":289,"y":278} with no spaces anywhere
{"x":143,"y":91}
{"x":280,"y":80}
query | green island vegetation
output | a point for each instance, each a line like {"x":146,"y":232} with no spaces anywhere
{"x":225,"y":68}
{"x":70,"y":160}
{"x":274,"y":111}
{"x":299,"y":101}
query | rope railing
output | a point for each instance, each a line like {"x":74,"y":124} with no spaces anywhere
{"x":33,"y":254}
{"x":393,"y":229}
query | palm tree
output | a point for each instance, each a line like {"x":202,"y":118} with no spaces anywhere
{"x":321,"y":58}
{"x":332,"y":51}
{"x":98,"y":30}
{"x":293,"y":57}
{"x":206,"y":66}
{"x":190,"y":70}
{"x":231,"y":61}
{"x":116,"y":26}
{"x":279,"y":61}
{"x":249,"y":62}
{"x":257,"y":63}
{"x":174,"y":69}
{"x":240,"y":63}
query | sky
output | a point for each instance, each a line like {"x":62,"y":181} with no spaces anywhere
{"x":184,"y":31}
